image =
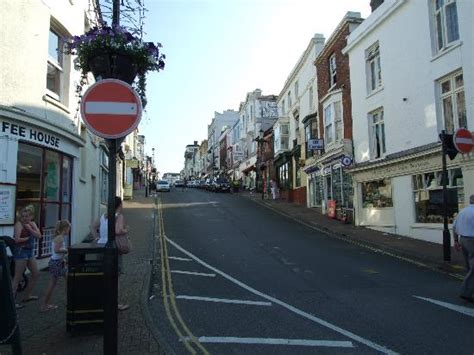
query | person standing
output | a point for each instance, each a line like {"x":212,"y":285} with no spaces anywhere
{"x":26,"y":231}
{"x":99,"y":230}
{"x":463,"y":233}
{"x":57,"y":264}
{"x":273,"y":188}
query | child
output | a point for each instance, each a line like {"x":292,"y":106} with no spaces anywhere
{"x":57,"y":265}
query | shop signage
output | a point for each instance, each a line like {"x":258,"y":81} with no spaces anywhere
{"x":463,"y":140}
{"x":30,"y":134}
{"x":316,"y":144}
{"x":132,"y":163}
{"x":111,"y":109}
{"x":346,"y":161}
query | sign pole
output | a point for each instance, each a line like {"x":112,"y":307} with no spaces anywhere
{"x":446,"y":234}
{"x":111,"y":260}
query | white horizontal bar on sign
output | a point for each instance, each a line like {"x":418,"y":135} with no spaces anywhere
{"x":275,"y":341}
{"x":460,"y":140}
{"x":192,"y":273}
{"x":223,"y":300}
{"x":111,"y":108}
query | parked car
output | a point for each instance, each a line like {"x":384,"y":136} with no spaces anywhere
{"x":222,"y":185}
{"x":179,"y":183}
{"x":163,"y":185}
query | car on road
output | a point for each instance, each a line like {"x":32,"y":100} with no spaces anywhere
{"x":163,"y":185}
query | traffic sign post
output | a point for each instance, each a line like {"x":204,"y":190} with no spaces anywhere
{"x":463,"y":140}
{"x":111,"y":109}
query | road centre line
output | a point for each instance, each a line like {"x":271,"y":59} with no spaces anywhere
{"x":178,"y":258}
{"x":285,"y":305}
{"x":454,"y":307}
{"x":276,"y":341}
{"x":192,"y":273}
{"x":223,"y":300}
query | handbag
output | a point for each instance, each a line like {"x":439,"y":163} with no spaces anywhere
{"x":123,"y":244}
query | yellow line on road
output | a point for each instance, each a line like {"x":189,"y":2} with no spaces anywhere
{"x":168,"y":292}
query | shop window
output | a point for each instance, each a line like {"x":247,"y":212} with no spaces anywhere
{"x":44,"y":179}
{"x":428,"y":195}
{"x":377,"y":194}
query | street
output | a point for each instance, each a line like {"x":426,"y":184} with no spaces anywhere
{"x":234,"y":277}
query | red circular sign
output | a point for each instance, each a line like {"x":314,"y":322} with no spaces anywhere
{"x":463,"y":141}
{"x":111,"y":108}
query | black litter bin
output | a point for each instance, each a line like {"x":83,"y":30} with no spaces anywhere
{"x":85,"y":288}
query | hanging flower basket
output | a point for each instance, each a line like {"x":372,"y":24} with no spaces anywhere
{"x":115,"y":53}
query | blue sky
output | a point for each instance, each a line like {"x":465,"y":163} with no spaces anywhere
{"x":216,"y":52}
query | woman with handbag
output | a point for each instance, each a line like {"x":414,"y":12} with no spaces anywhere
{"x":99,"y":231}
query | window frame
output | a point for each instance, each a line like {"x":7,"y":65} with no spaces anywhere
{"x":372,"y":133}
{"x":454,"y":95}
{"x":373,"y":68}
{"x":332,"y":70}
{"x":441,"y":26}
{"x":57,"y":64}
{"x":329,"y":106}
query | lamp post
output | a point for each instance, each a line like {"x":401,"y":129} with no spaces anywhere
{"x":260,"y":142}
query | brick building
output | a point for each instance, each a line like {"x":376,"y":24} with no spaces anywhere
{"x":327,"y":176}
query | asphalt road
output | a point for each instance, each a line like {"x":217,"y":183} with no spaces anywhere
{"x":233,"y":277}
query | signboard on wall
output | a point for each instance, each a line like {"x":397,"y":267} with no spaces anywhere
{"x":7,"y":204}
{"x":316,"y":144}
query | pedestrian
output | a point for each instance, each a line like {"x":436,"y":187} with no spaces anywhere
{"x":25,"y":231}
{"x":99,"y":230}
{"x":273,"y":188}
{"x":57,"y":263}
{"x":463,"y":232}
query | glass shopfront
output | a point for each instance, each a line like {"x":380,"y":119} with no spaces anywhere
{"x":44,"y":180}
{"x":377,"y":194}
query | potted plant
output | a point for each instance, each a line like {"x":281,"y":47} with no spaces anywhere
{"x":113,"y":52}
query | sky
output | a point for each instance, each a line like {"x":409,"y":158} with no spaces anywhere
{"x":216,"y":52}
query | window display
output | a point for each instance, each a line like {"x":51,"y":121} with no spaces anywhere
{"x":377,"y":194}
{"x":428,"y":195}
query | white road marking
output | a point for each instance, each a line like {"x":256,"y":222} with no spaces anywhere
{"x":464,"y":310}
{"x":192,"y":273}
{"x":111,"y":108}
{"x":287,"y":306}
{"x":223,"y":300}
{"x":276,"y":341}
{"x":178,"y":258}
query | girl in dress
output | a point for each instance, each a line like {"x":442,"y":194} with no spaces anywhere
{"x":57,"y":264}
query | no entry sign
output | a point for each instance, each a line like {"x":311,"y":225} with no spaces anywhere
{"x":111,"y":109}
{"x":463,"y":141}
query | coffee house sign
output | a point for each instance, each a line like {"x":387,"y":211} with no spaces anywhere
{"x":30,"y":134}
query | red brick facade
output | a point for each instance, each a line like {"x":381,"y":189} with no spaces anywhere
{"x":335,"y":46}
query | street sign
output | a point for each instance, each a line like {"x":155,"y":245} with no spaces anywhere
{"x":463,"y":140}
{"x":316,"y":144}
{"x":111,"y":108}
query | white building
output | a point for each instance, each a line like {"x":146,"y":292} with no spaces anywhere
{"x":191,"y":161}
{"x":412,"y":75}
{"x":214,"y":130}
{"x":48,"y":158}
{"x":257,"y":112}
{"x":297,"y":104}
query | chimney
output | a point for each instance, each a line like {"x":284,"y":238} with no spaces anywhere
{"x":375,"y":3}
{"x":195,"y":142}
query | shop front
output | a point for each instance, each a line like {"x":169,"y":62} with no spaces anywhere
{"x":249,"y":173}
{"x":38,"y":161}
{"x":404,"y":194}
{"x":331,"y":190}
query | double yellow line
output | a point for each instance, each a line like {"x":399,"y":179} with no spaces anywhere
{"x":169,"y":300}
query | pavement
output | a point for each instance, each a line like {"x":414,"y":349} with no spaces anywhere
{"x":422,"y":253}
{"x":45,"y":333}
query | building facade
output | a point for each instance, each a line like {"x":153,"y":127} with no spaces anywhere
{"x":408,"y":84}
{"x":330,"y":184}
